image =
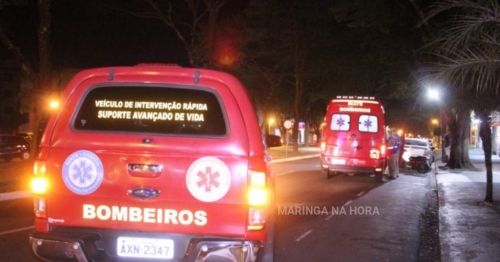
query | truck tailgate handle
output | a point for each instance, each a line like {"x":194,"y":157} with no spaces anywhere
{"x":144,"y":170}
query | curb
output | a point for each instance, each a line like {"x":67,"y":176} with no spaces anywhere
{"x":15,"y":195}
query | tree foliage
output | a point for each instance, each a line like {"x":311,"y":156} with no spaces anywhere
{"x":380,"y":42}
{"x":194,"y":22}
{"x":288,"y":54}
{"x":466,"y":53}
{"x":356,"y":48}
{"x":41,"y":79}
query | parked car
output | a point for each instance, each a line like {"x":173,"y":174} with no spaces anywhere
{"x":13,"y":146}
{"x":273,"y":141}
{"x":418,"y":147}
{"x":431,"y":142}
{"x":26,"y":135}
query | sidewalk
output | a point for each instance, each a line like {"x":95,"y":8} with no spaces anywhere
{"x":468,"y":229}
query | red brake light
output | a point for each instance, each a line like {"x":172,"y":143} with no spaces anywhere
{"x":258,"y":199}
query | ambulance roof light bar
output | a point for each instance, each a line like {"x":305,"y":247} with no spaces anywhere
{"x":357,"y":97}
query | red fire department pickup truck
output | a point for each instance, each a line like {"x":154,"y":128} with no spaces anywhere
{"x":153,"y":163}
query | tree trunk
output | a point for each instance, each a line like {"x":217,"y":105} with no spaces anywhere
{"x":299,"y":57}
{"x":485,"y":134}
{"x":42,"y":90}
{"x":299,"y":86}
{"x":44,"y":46}
{"x":459,"y":124}
{"x":41,"y":81}
{"x":212,"y":36}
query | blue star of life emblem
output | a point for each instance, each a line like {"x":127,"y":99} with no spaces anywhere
{"x":82,"y":172}
{"x":340,"y":122}
{"x":367,"y":123}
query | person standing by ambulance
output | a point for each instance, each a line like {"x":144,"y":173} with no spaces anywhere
{"x":446,"y":146}
{"x":393,"y":146}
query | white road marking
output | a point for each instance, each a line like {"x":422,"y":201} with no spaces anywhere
{"x":303,"y":235}
{"x":345,"y":204}
{"x":16,"y":230}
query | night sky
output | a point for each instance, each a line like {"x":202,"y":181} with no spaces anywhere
{"x":91,"y":37}
{"x":84,"y":36}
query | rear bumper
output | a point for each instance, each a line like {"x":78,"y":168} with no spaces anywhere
{"x":351,"y":169}
{"x":350,"y":166}
{"x":407,"y":157}
{"x":92,"y":247}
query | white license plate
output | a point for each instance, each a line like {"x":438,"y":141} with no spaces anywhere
{"x":336,"y":161}
{"x":145,"y":247}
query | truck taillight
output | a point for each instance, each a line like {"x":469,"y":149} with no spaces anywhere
{"x":257,"y":196}
{"x":257,"y":191}
{"x":258,"y":200}
{"x":39,"y":183}
{"x":256,"y":218}
{"x":39,"y":186}
{"x":39,"y":168}
{"x":40,"y":206}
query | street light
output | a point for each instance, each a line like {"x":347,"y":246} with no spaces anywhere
{"x":271,"y":121}
{"x":433,"y":94}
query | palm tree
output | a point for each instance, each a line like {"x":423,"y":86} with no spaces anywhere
{"x":466,"y":56}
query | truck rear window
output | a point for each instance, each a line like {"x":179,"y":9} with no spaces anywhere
{"x":151,"y":109}
{"x":415,"y":143}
